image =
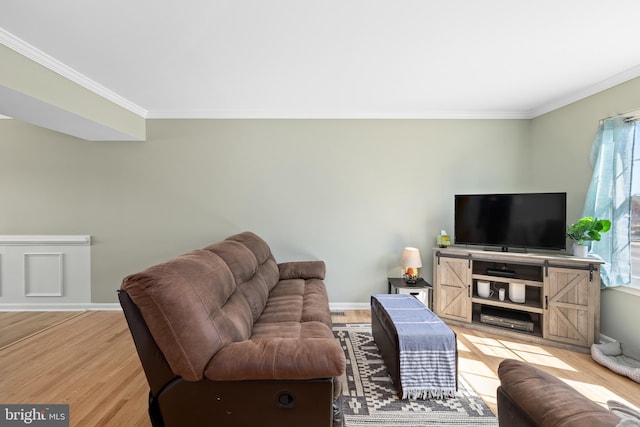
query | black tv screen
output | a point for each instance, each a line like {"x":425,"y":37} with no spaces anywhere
{"x":526,"y":220}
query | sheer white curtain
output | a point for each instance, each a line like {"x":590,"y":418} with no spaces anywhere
{"x":609,"y":197}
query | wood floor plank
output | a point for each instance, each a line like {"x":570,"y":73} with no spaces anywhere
{"x":89,"y":362}
{"x":17,"y":325}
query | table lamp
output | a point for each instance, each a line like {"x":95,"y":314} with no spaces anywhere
{"x":411,"y":262}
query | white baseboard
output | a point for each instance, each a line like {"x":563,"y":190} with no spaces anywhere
{"x":61,"y":307}
{"x":341,"y":306}
{"x":605,"y":339}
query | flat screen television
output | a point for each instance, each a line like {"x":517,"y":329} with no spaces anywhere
{"x":524,"y":220}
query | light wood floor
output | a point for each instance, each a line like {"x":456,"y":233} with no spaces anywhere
{"x":88,"y":360}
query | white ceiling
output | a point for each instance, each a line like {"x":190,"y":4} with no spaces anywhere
{"x":328,"y":58}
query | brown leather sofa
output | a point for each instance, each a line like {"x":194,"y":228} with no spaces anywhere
{"x":229,"y":337}
{"x":528,"y":397}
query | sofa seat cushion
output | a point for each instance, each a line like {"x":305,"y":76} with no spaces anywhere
{"x":291,"y":330}
{"x":292,"y":339}
{"x":297,"y":300}
{"x":278,"y":359}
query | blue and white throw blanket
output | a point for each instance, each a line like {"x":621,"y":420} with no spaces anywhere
{"x":427,"y":348}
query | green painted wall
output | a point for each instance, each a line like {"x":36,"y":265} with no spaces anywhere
{"x":350,"y":192}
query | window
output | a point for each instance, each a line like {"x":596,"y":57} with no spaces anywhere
{"x":609,"y":196}
{"x":635,"y":211}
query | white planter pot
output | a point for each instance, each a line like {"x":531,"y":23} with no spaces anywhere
{"x":580,"y":251}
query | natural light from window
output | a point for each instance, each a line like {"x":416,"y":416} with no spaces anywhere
{"x":635,"y":211}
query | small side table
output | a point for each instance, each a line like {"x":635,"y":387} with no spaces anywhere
{"x":422,"y":290}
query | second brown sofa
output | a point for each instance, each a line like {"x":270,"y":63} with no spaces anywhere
{"x":529,"y":397}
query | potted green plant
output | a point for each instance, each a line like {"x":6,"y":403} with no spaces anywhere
{"x":585,"y":230}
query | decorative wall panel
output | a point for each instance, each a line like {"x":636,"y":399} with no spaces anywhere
{"x":42,"y":271}
{"x":43,"y":274}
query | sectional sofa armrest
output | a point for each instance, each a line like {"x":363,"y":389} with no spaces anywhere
{"x":278,"y":359}
{"x":544,"y":400}
{"x":302,"y":270}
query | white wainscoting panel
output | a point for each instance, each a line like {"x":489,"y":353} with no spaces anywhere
{"x":43,"y":274}
{"x":44,"y":270}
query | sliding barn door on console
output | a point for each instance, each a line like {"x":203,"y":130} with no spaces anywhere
{"x":452,"y":285}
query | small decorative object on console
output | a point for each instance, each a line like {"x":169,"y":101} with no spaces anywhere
{"x":517,"y":292}
{"x":483,"y":289}
{"x":411,"y":262}
{"x":443,"y":240}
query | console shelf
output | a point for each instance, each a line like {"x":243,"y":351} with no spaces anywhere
{"x":561,"y":293}
{"x":506,"y":280}
{"x":530,"y":306}
{"x":536,"y":335}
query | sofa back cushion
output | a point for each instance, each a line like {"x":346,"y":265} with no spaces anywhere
{"x":192,"y":309}
{"x":253,"y":266}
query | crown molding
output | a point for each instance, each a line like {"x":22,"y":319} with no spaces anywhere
{"x":603,"y":85}
{"x":38,"y":56}
{"x":427,"y":115}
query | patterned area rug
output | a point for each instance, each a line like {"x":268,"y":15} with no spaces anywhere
{"x":370,"y":399}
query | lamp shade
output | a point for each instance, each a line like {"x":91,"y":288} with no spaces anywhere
{"x":411,"y":258}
